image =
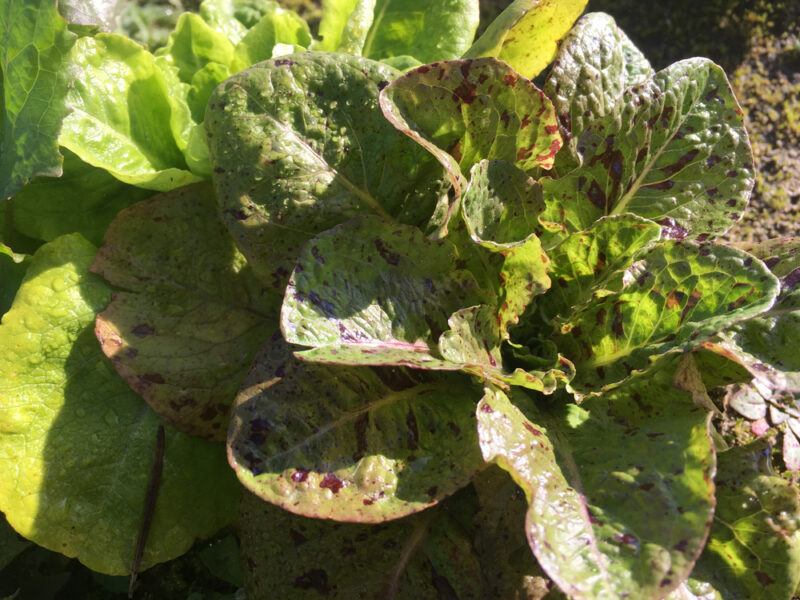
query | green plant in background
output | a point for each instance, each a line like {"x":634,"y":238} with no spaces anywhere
{"x":389,"y":271}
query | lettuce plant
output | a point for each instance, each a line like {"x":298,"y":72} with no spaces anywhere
{"x":486,"y":326}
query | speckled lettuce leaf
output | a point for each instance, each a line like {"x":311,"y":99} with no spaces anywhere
{"x":501,"y":205}
{"x":465,"y":111}
{"x":34,"y":46}
{"x":673,"y":298}
{"x":583,"y":261}
{"x":500,"y":210}
{"x":77,"y":445}
{"x":121,"y":114}
{"x":596,"y":63}
{"x":299,"y":145}
{"x":100,"y":15}
{"x":424,"y":557}
{"x":676,"y":152}
{"x":189,"y":314}
{"x":383,"y":289}
{"x":352,"y":444}
{"x":12,"y":270}
{"x":527,"y":32}
{"x":619,"y":491}
{"x":83,"y":200}
{"x":277,"y":26}
{"x":754,"y":547}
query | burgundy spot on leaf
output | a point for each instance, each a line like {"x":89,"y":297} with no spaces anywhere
{"x":386,"y":253}
{"x":300,"y":475}
{"x":764,"y":579}
{"x":142,"y":330}
{"x":315,"y":579}
{"x":683,"y":162}
{"x":332,"y":483}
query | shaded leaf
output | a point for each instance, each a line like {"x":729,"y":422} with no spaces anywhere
{"x":351,"y":444}
{"x":33,"y":57}
{"x":12,"y":270}
{"x":673,"y":298}
{"x":77,"y":444}
{"x":754,"y":547}
{"x":527,"y":32}
{"x":11,"y":544}
{"x":424,"y":557}
{"x":189,"y":315}
{"x":596,"y":63}
{"x":83,"y":200}
{"x":290,"y":165}
{"x":620,"y":494}
{"x":121,"y":114}
{"x":465,"y":111}
{"x":676,"y":152}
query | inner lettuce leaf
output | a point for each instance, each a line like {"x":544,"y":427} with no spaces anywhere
{"x":76,"y":445}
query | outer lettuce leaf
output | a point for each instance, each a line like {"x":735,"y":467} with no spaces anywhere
{"x":121,"y":117}
{"x":34,"y":46}
{"x":754,"y":548}
{"x":423,"y":557}
{"x":673,"y":298}
{"x":620,"y":495}
{"x":675,"y":151}
{"x":299,"y":146}
{"x":466,"y":111}
{"x":77,"y":446}
{"x":189,"y":315}
{"x":94,"y":14}
{"x":233,"y":18}
{"x":596,"y":63}
{"x":83,"y":200}
{"x":351,"y":444}
{"x":382,"y":29}
{"x":526,"y":33}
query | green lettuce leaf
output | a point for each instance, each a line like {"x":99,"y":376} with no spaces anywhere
{"x":121,"y":117}
{"x":465,"y":111}
{"x":426,"y":556}
{"x":76,"y":444}
{"x":381,"y":29}
{"x":674,"y":151}
{"x":233,"y":18}
{"x":673,"y":298}
{"x":352,"y":444}
{"x":620,"y":493}
{"x":34,"y":46}
{"x":527,"y":32}
{"x":754,"y":547}
{"x":596,"y":63}
{"x":277,"y":26}
{"x":299,"y":145}
{"x":83,"y":200}
{"x":189,"y":314}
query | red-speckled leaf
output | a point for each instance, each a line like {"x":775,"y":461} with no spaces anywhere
{"x":464,"y":111}
{"x":423,"y":557}
{"x":620,"y":490}
{"x":754,"y":548}
{"x":675,"y":152}
{"x":299,"y":145}
{"x":188,"y":315}
{"x":673,"y":298}
{"x":352,"y":443}
{"x":581,"y":264}
{"x":384,"y":289}
{"x":596,"y":63}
